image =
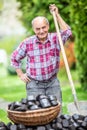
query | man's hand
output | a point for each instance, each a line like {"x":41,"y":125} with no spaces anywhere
{"x":24,"y":78}
{"x":54,"y":8}
{"x":62,"y":24}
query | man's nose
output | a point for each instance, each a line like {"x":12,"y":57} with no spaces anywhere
{"x":41,"y":30}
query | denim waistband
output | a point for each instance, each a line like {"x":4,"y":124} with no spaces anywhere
{"x":45,"y":81}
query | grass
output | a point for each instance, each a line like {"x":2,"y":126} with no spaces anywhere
{"x":67,"y":95}
{"x":13,"y":89}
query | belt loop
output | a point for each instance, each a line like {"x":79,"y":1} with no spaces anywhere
{"x":36,"y":81}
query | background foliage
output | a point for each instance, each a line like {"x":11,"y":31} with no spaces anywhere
{"x":31,"y":9}
{"x":74,"y":13}
{"x":78,"y":17}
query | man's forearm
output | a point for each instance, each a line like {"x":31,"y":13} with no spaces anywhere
{"x":19,"y":72}
{"x":62,"y":24}
{"x":23,"y":76}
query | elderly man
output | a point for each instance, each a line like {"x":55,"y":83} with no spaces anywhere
{"x":42,"y":52}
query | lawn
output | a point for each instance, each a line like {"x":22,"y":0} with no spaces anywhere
{"x":13,"y":89}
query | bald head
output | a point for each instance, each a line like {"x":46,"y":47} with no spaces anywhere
{"x":39,"y":19}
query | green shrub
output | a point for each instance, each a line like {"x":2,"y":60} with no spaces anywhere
{"x":79,"y":18}
{"x":8,"y":43}
{"x":11,"y":70}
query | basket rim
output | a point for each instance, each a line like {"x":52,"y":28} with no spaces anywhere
{"x":34,"y":111}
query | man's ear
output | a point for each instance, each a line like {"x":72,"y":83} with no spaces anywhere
{"x":48,"y":27}
{"x":33,"y":29}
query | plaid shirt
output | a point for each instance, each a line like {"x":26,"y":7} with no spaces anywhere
{"x":42,"y":59}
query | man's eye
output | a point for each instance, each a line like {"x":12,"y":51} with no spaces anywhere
{"x":37,"y":29}
{"x":43,"y":27}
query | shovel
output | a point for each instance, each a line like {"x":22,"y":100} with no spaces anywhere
{"x":76,"y":106}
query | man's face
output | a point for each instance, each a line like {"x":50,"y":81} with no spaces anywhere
{"x":41,"y":28}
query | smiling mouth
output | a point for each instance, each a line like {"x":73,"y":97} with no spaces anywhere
{"x":42,"y":34}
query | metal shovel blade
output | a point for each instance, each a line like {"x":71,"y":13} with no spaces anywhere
{"x":82,"y":106}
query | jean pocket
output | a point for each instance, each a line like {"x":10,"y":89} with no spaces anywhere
{"x":29,"y":85}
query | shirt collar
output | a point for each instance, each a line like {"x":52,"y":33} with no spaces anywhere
{"x":47,"y":40}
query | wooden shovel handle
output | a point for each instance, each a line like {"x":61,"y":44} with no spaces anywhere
{"x":64,"y":57}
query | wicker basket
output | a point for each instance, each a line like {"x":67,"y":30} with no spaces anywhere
{"x":34,"y":117}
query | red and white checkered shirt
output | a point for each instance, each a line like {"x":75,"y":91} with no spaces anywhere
{"x":42,"y":58}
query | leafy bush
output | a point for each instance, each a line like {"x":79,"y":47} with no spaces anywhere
{"x":11,"y":70}
{"x":31,"y":9}
{"x":8,"y":43}
{"x":78,"y":16}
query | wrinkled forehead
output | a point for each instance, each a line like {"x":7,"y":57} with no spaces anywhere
{"x":39,"y":20}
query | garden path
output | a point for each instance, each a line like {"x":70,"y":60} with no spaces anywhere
{"x":3,"y":104}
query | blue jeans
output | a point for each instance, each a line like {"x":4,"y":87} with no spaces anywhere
{"x":51,"y":87}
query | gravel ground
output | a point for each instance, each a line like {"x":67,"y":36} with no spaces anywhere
{"x":3,"y":104}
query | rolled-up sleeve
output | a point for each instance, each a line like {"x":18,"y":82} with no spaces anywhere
{"x":66,"y":34}
{"x":18,"y":55}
